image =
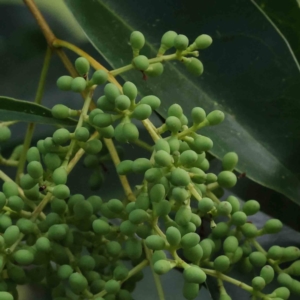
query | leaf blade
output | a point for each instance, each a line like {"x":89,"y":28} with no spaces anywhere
{"x":20,"y":110}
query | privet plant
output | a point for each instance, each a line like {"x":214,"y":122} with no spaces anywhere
{"x":76,"y":250}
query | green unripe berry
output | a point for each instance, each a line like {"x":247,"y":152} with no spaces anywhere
{"x":175,"y":110}
{"x":190,"y":240}
{"x":6,"y":296}
{"x":10,"y":188}
{"x":157,"y":192}
{"x":258,"y":283}
{"x":251,"y":207}
{"x":221,"y":263}
{"x":57,"y":232}
{"x":83,"y":210}
{"x":173,"y":124}
{"x":162,"y":267}
{"x":173,"y":236}
{"x":183,"y":216}
{"x":193,"y":65}
{"x":215,"y":117}
{"x":60,"y":111}
{"x":102,"y":120}
{"x":163,"y":158}
{"x":113,"y":248}
{"x":2,"y":200}
{"x":130,"y":132}
{"x":290,"y":253}
{"x":61,"y":136}
{"x":188,"y":158}
{"x":257,"y":259}
{"x":181,"y":42}
{"x":107,"y":132}
{"x":224,"y":208}
{"x":122,"y":102}
{"x":43,"y":244}
{"x":124,"y":167}
{"x":267,"y":273}
{"x":141,"y":62}
{"x":138,"y":216}
{"x":235,"y":203}
{"x":86,"y":263}
{"x":198,"y":115}
{"x":230,"y":244}
{"x":152,"y":101}
{"x":11,"y":235}
{"x":64,"y":272}
{"x":64,"y":83}
{"x":285,"y":280}
{"x":227,"y":179}
{"x":104,"y":104}
{"x":111,"y":92}
{"x":142,"y":201}
{"x":23,"y":257}
{"x":155,"y":242}
{"x":167,"y":41}
{"x":249,"y":230}
{"x":15,"y":203}
{"x":162,"y":208}
{"x":203,"y":41}
{"x":194,"y":274}
{"x":221,"y":230}
{"x":180,"y":177}
{"x":179,"y":194}
{"x":133,"y":248}
{"x":207,"y":246}
{"x":35,"y":169}
{"x":142,"y":111}
{"x":82,"y":65}
{"x":78,"y":283}
{"x":282,"y":292}
{"x":155,"y":69}
{"x":5,"y":134}
{"x":190,"y":290}
{"x":202,"y":143}
{"x":99,"y":77}
{"x":275,"y":252}
{"x":153,"y":174}
{"x":60,"y":176}
{"x":120,"y":272}
{"x":61,"y":191}
{"x":101,"y":227}
{"x":93,"y":146}
{"x":193,"y":254}
{"x":137,"y":40}
{"x":26,"y":226}
{"x":78,"y":85}
{"x":58,"y":206}
{"x":128,"y":228}
{"x":5,"y":222}
{"x":239,"y":218}
{"x":273,"y":226}
{"x":163,"y":145}
{"x":52,"y":161}
{"x":130,"y":90}
{"x":112,"y":286}
{"x":195,"y":219}
{"x":115,"y":205}
{"x":229,"y":161}
{"x":205,"y":205}
{"x":33,"y":154}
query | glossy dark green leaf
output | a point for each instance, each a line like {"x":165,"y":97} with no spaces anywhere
{"x":250,"y":74}
{"x":20,"y":110}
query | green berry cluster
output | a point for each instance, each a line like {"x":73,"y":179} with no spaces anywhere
{"x":78,"y":249}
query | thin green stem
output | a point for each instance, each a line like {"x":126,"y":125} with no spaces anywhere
{"x":262,"y":250}
{"x":8,"y":123}
{"x":156,"y":278}
{"x":84,"y":111}
{"x":31,"y":126}
{"x":132,"y":272}
{"x":143,"y":145}
{"x":8,"y":162}
{"x":151,"y":61}
{"x":212,"y":196}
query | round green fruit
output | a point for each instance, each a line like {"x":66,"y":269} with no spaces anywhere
{"x":82,"y":65}
{"x":141,"y":62}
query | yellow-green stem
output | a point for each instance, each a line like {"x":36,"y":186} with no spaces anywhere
{"x":31,"y":126}
{"x":156,"y":278}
